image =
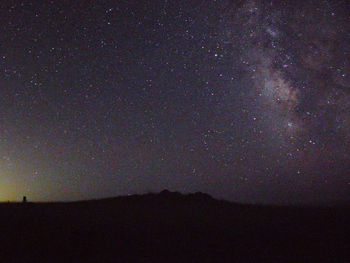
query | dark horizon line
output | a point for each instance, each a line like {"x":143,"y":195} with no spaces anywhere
{"x":331,"y":203}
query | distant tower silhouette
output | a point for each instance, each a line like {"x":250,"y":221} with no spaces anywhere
{"x":24,"y":199}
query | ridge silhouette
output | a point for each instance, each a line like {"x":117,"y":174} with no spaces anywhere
{"x":172,"y":227}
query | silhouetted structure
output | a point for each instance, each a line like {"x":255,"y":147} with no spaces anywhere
{"x":179,"y":227}
{"x":24,"y":199}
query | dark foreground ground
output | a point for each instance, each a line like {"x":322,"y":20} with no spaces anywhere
{"x":171,"y":227}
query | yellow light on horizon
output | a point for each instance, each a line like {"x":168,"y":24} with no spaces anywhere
{"x":8,"y":192}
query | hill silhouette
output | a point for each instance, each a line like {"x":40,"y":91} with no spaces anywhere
{"x":172,"y":227}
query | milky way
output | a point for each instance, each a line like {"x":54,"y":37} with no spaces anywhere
{"x":297,"y":56}
{"x":244,"y":100}
{"x":300,"y":68}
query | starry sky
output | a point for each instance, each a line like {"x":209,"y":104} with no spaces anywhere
{"x":248,"y":101}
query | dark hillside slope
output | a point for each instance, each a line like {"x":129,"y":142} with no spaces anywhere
{"x":171,"y":227}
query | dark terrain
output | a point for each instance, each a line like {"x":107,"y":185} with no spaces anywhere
{"x":171,"y":227}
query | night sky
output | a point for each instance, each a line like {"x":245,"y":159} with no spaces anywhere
{"x":245,"y":100}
